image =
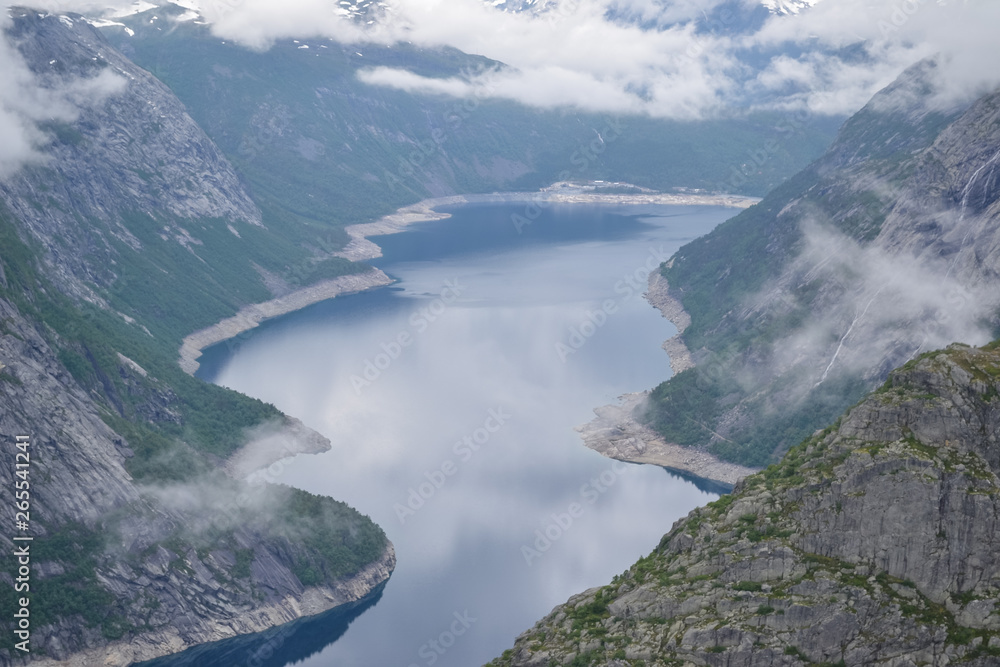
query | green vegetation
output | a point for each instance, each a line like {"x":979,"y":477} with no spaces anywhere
{"x":88,"y":340}
{"x":732,"y":335}
{"x":339,"y":540}
{"x":716,"y":276}
{"x":177,"y":426}
{"x":74,"y":590}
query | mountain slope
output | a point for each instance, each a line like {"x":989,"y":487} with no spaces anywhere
{"x":132,"y":232}
{"x":319,"y":139}
{"x":135,"y":206}
{"x":872,"y":543}
{"x":885,"y":247}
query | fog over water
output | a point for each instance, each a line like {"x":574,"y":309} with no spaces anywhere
{"x":459,"y":440}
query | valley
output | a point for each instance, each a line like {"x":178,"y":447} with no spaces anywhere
{"x":307,"y":311}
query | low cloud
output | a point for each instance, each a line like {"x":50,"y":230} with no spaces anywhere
{"x":28,"y":103}
{"x":877,"y":308}
{"x":680,"y":59}
{"x":664,"y":59}
{"x":22,"y":106}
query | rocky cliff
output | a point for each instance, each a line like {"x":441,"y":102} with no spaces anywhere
{"x":875,"y":542}
{"x":130,"y":231}
{"x":126,"y":570}
{"x":886,"y":247}
{"x":153,"y":159}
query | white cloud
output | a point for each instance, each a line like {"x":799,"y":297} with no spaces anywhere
{"x":573,"y":54}
{"x":19,"y":108}
{"x":646,"y":56}
{"x":26,"y":103}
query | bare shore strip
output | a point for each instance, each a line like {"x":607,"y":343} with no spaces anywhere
{"x":251,"y":316}
{"x":617,"y":434}
{"x":300,"y":440}
{"x":361,"y":249}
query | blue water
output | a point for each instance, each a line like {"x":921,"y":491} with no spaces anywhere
{"x":450,"y":399}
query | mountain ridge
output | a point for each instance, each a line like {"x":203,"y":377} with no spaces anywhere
{"x":866,"y":258}
{"x":872,"y":543}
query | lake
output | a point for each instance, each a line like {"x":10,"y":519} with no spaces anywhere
{"x":450,"y":398}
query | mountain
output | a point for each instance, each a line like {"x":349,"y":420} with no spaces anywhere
{"x":132,"y":232}
{"x":787,"y":6}
{"x":170,"y":198}
{"x":885,"y":247}
{"x":192,"y":179}
{"x":874,"y":542}
{"x":320,"y":142}
{"x":773,"y":6}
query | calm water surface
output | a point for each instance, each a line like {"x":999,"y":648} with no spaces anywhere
{"x":450,"y":399}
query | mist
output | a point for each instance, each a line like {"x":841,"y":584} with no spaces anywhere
{"x":870,"y":307}
{"x":460,"y":442}
{"x":29,"y":101}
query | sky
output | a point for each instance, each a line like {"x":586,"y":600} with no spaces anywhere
{"x":828,"y":59}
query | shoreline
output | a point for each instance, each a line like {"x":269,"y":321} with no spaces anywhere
{"x":360,"y":249}
{"x":617,"y":434}
{"x":250,"y":317}
{"x":614,"y":433}
{"x":254,"y":456}
{"x":169,"y":641}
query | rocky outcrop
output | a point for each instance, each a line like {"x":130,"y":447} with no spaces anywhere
{"x":616,"y":433}
{"x":154,"y":159}
{"x":69,"y":441}
{"x":875,"y":542}
{"x":132,"y":227}
{"x":172,"y":564}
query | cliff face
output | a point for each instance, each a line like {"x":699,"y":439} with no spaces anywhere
{"x":133,"y":230}
{"x":132,"y":149}
{"x":126,"y":571}
{"x":875,"y":542}
{"x":886,"y":247}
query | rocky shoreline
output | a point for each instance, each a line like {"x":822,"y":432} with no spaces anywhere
{"x":311,"y":601}
{"x":251,"y":316}
{"x":360,"y":249}
{"x":617,"y":434}
{"x":599,"y":435}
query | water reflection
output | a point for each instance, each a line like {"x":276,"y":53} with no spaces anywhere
{"x":451,"y":408}
{"x":276,"y":647}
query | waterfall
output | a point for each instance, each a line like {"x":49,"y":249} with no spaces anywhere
{"x":966,"y":191}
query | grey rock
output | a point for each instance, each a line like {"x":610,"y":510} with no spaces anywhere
{"x":875,"y":543}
